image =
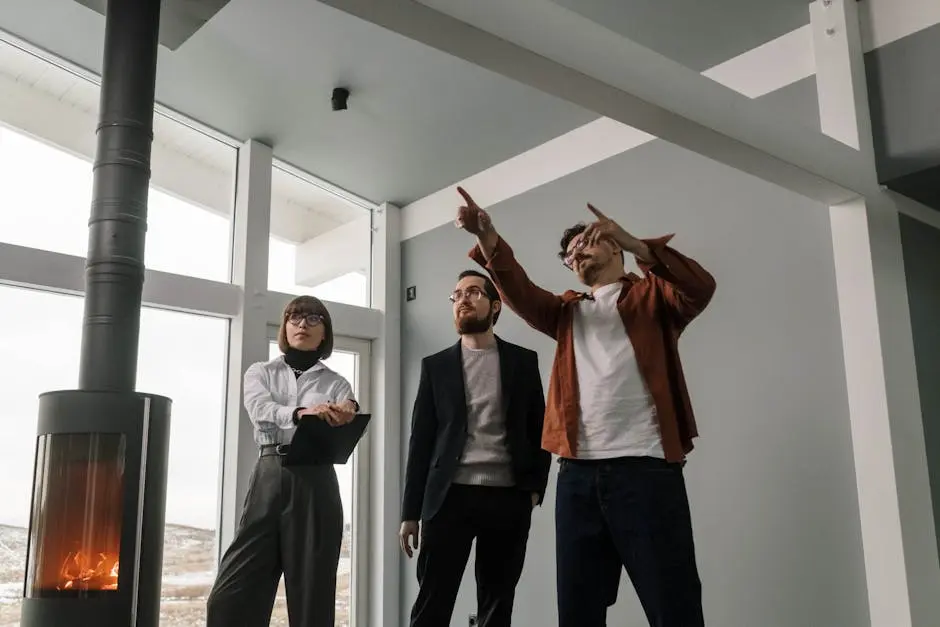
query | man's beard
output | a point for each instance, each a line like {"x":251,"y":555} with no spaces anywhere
{"x":468,"y":325}
{"x":590,"y":272}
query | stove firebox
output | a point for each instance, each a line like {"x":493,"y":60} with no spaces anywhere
{"x":77,"y":514}
{"x":96,"y":529}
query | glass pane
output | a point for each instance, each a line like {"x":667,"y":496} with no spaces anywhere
{"x":320,"y":244}
{"x":28,"y":372}
{"x":182,"y":356}
{"x":78,"y":497}
{"x":346,"y":365}
{"x":47,"y":184}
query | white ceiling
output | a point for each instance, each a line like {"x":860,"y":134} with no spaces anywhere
{"x":418,"y":119}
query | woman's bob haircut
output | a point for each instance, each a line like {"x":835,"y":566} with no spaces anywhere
{"x":307,"y":305}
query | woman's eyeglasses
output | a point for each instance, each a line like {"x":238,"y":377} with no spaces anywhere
{"x":311,"y":319}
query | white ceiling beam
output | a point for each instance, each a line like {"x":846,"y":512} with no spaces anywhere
{"x":575,"y":150}
{"x":543,"y":45}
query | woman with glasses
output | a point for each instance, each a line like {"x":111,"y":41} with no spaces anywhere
{"x":292,"y":521}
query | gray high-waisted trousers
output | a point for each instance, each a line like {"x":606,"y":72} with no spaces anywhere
{"x":292,"y":524}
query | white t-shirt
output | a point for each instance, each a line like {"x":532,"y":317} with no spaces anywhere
{"x":617,"y":415}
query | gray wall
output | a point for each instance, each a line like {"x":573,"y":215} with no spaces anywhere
{"x":922,"y":267}
{"x":772,"y":482}
{"x":796,"y":103}
{"x":903,"y":90}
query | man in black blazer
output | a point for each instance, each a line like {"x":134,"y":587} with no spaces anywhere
{"x":475,"y":468}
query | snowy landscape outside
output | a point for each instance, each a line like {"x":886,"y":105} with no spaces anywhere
{"x":188,"y":573}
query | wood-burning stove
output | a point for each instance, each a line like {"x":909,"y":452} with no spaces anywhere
{"x":96,"y":528}
{"x":95,"y":549}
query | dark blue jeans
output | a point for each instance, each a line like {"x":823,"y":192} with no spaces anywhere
{"x":630,"y":513}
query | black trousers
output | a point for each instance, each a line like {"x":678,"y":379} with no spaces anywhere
{"x":630,"y":513}
{"x":292,"y":523}
{"x":499,"y":520}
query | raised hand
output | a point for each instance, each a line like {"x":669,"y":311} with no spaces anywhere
{"x":471,"y":217}
{"x":606,"y":228}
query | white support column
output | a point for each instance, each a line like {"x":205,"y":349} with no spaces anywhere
{"x":248,"y":338}
{"x":385,"y":460}
{"x":899,"y":543}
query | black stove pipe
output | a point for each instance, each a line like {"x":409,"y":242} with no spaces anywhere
{"x":114,"y":271}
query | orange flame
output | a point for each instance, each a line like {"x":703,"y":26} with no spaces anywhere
{"x":78,"y":572}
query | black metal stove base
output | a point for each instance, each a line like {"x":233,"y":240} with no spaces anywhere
{"x":99,"y":493}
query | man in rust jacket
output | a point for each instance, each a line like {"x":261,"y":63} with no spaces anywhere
{"x":618,"y":414}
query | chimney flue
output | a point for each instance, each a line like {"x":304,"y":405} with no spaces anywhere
{"x":114,"y":271}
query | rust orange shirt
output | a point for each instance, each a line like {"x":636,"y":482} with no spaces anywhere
{"x":655,"y":310}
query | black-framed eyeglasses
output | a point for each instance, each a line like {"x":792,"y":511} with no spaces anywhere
{"x":473,"y":294}
{"x":311,"y":319}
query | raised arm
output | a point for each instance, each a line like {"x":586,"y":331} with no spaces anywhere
{"x":420,"y":448}
{"x":260,"y":404}
{"x":686,"y":286}
{"x":537,"y":306}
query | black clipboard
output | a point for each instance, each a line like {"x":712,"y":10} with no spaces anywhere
{"x":316,"y":442}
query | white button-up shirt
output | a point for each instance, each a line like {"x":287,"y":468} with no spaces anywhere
{"x":273,"y":392}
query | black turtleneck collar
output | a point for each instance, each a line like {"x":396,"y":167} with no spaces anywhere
{"x":301,"y":361}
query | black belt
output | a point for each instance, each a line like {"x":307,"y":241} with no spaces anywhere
{"x":642,"y":462}
{"x":279,"y":450}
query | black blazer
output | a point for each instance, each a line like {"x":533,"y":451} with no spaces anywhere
{"x":439,"y":426}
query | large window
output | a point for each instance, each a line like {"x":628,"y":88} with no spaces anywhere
{"x":46,"y":189}
{"x":40,"y":338}
{"x":350,"y":359}
{"x":321,"y":242}
{"x":46,"y":199}
{"x":181,"y":356}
